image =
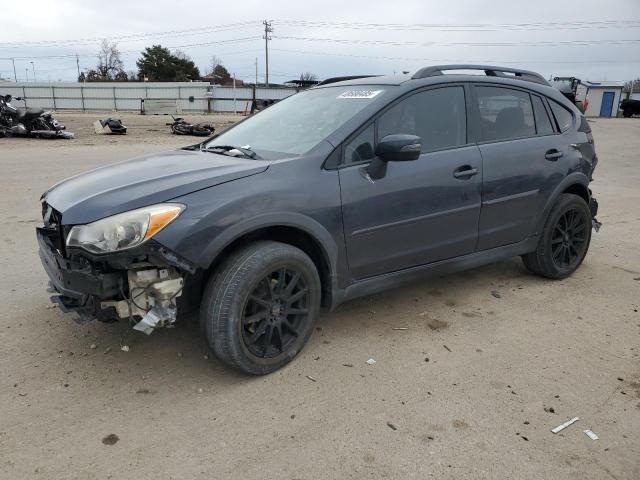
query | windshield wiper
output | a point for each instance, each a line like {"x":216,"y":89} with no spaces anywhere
{"x":234,"y":151}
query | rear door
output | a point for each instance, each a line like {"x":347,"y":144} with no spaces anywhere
{"x":524,"y":158}
{"x":421,"y":211}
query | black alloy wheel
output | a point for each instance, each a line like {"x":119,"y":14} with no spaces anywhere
{"x":275,"y":311}
{"x":569,"y":240}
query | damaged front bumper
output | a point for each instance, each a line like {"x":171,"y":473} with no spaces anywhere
{"x":142,"y":285}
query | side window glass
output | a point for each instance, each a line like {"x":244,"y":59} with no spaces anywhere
{"x":360,"y":148}
{"x":563,"y":116}
{"x":437,"y":116}
{"x":543,"y":124}
{"x":505,"y":113}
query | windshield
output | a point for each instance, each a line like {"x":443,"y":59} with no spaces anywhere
{"x":297,"y":124}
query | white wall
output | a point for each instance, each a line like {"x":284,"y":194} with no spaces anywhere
{"x":126,"y":96}
{"x":594,"y":97}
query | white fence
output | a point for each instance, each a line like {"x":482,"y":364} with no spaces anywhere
{"x":129,"y":96}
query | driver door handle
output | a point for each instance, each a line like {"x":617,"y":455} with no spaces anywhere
{"x":465,"y":171}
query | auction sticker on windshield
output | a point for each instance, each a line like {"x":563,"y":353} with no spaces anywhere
{"x":359,"y":94}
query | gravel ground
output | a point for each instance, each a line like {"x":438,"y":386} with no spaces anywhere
{"x":141,"y":129}
{"x":488,"y":362}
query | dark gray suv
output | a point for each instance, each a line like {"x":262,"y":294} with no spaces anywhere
{"x":343,"y":190}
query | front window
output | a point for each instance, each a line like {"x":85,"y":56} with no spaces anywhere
{"x":299,"y":123}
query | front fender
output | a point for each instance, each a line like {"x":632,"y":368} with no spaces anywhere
{"x":286,"y":219}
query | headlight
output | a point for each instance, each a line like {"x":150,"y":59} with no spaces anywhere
{"x":124,"y":230}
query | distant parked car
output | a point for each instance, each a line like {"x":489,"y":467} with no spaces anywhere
{"x":630,"y":107}
{"x":342,"y":190}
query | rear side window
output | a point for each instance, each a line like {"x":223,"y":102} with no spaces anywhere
{"x":543,"y":124}
{"x":504,"y":114}
{"x":437,"y":116}
{"x":563,"y":116}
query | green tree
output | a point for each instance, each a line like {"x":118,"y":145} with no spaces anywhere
{"x":159,"y":64}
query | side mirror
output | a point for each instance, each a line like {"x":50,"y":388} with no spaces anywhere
{"x":393,"y":148}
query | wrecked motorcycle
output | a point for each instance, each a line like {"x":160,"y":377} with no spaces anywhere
{"x":181,"y":127}
{"x":28,"y":122}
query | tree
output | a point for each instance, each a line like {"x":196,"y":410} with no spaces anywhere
{"x":82,"y":77}
{"x":219,"y":73}
{"x":109,"y":62}
{"x":636,"y":86}
{"x":159,"y":64}
{"x":308,"y":77}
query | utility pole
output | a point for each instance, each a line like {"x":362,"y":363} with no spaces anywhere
{"x":26,"y":73}
{"x":256,"y":71}
{"x":15,"y":75}
{"x":33,"y":65}
{"x":267,"y":30}
{"x":78,"y":65}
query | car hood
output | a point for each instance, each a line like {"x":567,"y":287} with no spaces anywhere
{"x":144,"y":181}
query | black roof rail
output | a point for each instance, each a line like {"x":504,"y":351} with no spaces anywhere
{"x":490,"y":71}
{"x":342,"y":79}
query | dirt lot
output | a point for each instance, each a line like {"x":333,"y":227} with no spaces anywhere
{"x":470,"y":390}
{"x":141,"y":130}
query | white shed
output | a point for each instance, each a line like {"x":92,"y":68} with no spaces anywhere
{"x":603,"y":98}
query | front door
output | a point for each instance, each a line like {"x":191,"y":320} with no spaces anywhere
{"x":606,"y":107}
{"x":421,"y":211}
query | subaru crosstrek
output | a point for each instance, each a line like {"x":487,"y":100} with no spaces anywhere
{"x":342,"y":190}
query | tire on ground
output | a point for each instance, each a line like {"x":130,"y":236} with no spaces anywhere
{"x":226,"y":294}
{"x":541,"y":261}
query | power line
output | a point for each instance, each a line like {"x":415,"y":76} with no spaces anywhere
{"x":447,"y":60}
{"x":473,"y":27}
{"x":129,"y":38}
{"x":554,"y":43}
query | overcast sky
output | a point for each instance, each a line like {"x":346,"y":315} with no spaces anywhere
{"x":456,"y":32}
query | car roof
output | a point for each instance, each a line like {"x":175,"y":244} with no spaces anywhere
{"x":409,"y":82}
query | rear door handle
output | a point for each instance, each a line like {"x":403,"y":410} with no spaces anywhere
{"x":553,"y":154}
{"x":465,"y":171}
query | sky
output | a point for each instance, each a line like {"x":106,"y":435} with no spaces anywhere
{"x":592,"y":40}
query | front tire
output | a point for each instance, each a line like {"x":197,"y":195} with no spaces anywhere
{"x":564,"y":240}
{"x":259,"y":308}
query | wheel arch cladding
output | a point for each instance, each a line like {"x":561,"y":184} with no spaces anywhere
{"x":576,"y":183}
{"x":323,"y":252}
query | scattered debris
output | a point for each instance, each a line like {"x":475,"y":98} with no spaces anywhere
{"x":496,"y":294}
{"x":109,"y":126}
{"x":311,"y":378}
{"x":144,"y":391}
{"x":426,"y":359}
{"x":200,"y":390}
{"x":436,"y":324}
{"x":400,"y":328}
{"x":392,"y":426}
{"x":549,"y":410}
{"x":107,"y":350}
{"x":371,"y":361}
{"x":111,"y":439}
{"x":124,"y":348}
{"x":347,"y":364}
{"x":559,"y":428}
{"x":93,"y":346}
{"x":591,"y":435}
{"x":446,"y":348}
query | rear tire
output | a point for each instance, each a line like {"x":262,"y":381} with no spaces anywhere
{"x":564,"y":240}
{"x":259,"y":308}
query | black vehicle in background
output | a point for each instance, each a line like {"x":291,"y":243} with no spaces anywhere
{"x":342,"y":190}
{"x":28,"y":122}
{"x":630,"y":107}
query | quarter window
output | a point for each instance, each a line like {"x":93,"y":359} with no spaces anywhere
{"x":360,"y":148}
{"x":543,"y":124}
{"x":563,"y":116}
{"x":437,"y":116}
{"x":505,"y":113}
